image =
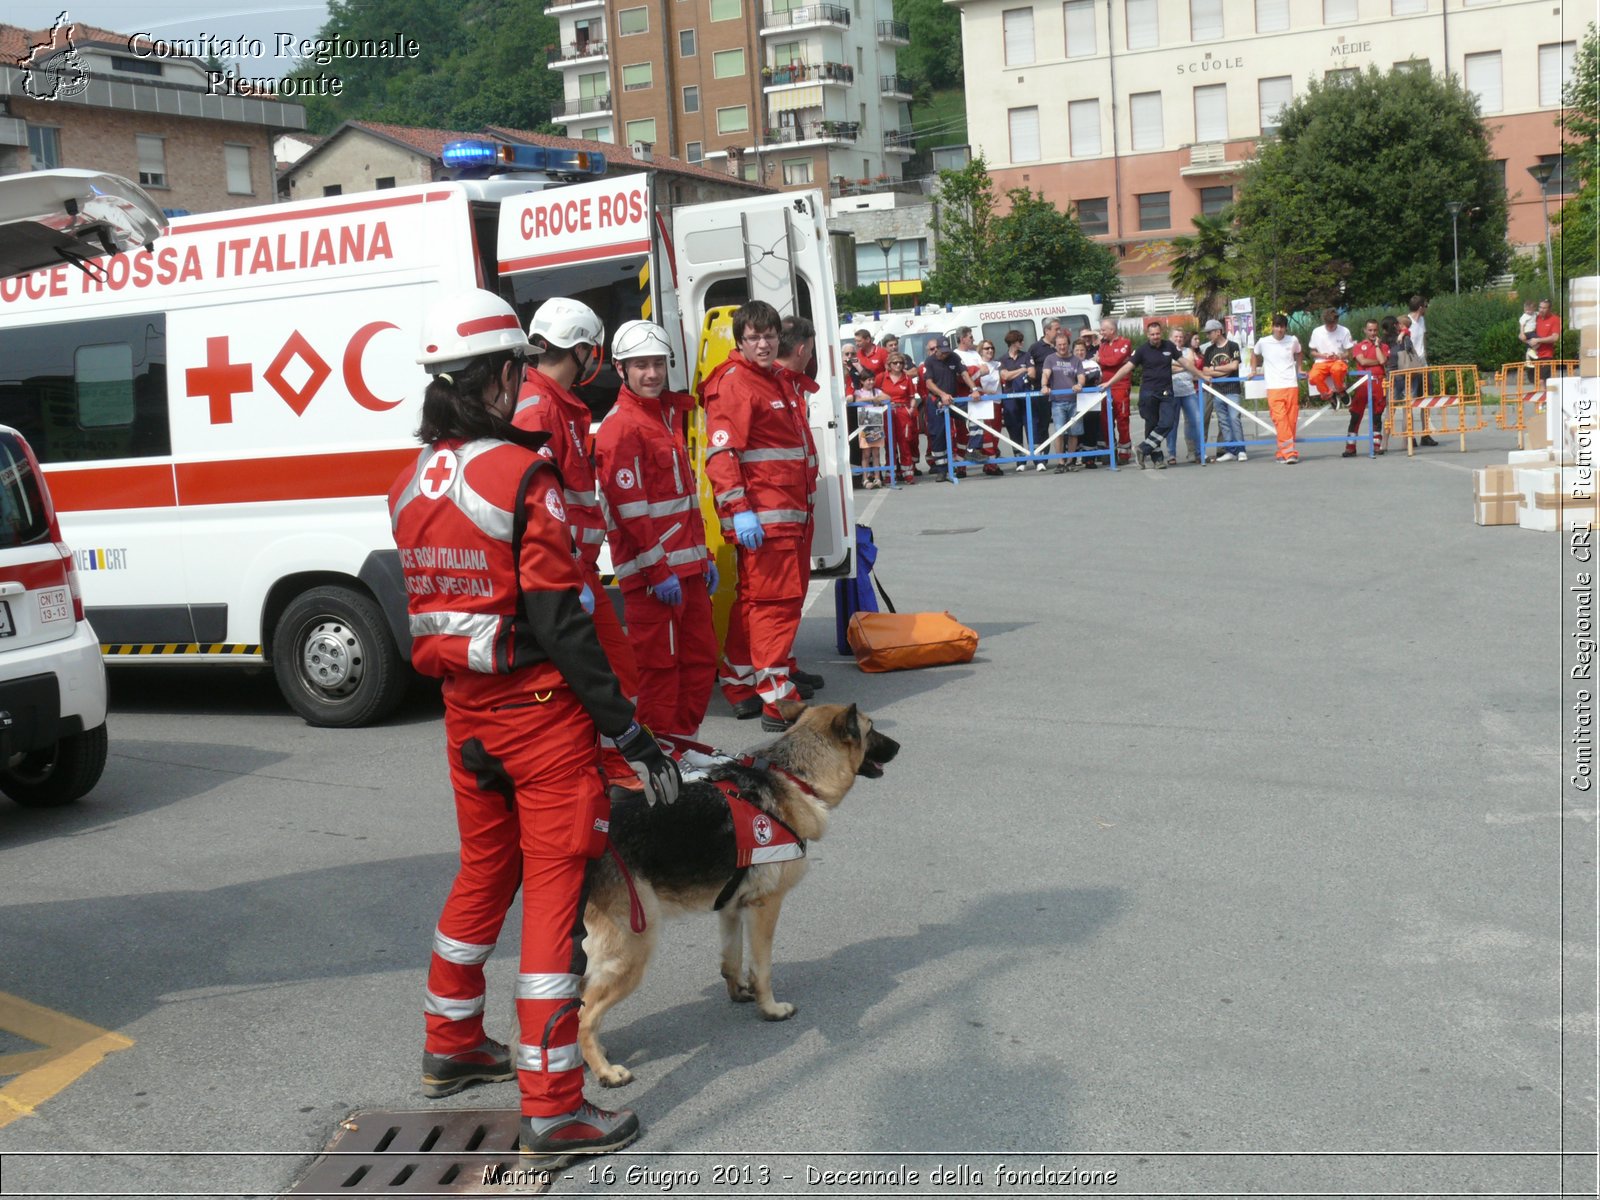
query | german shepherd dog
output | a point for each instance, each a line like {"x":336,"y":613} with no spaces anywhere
{"x":682,"y":856}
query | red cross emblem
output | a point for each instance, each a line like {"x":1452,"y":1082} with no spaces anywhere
{"x":762,"y":828}
{"x":219,"y":380}
{"x":439,"y":474}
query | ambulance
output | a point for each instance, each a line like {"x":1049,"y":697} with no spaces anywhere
{"x":221,"y":417}
{"x":988,"y":322}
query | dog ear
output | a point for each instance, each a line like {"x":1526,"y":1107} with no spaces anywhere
{"x":850,"y":724}
{"x":790,"y":710}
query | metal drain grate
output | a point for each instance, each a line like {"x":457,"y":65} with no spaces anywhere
{"x":433,"y":1152}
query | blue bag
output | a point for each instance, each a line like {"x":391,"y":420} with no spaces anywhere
{"x":851,"y":596}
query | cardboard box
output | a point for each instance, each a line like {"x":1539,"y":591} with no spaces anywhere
{"x":1584,"y":505}
{"x":1540,"y":457}
{"x":1537,"y":426}
{"x":1530,"y":481}
{"x":1490,"y":482}
{"x":1497,"y":510}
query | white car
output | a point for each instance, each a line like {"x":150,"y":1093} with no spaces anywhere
{"x":52,"y":680}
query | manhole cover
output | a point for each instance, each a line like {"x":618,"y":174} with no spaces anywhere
{"x":438,"y":1152}
{"x":943,"y":532}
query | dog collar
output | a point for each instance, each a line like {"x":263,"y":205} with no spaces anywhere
{"x":761,"y":764}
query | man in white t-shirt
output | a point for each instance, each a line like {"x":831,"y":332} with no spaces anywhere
{"x":1330,"y":352}
{"x":1278,"y":358}
{"x":1419,"y":347}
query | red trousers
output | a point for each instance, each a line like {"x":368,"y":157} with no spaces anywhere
{"x":905,"y":438}
{"x":1119,"y":415}
{"x":1373,"y":386}
{"x":531,"y":806}
{"x":764,"y":621}
{"x":614,"y":641}
{"x":676,"y":651}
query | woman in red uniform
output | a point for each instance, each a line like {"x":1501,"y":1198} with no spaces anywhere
{"x":496,"y":606}
{"x":901,"y":391}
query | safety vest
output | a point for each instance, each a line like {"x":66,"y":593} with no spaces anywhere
{"x":650,"y":493}
{"x":456,"y":516}
{"x":544,"y":406}
{"x":759,"y":457}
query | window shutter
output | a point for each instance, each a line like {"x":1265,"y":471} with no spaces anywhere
{"x":1024,"y":135}
{"x":1272,"y":16}
{"x":1083,"y":123}
{"x":1555,"y":64}
{"x":1275,"y":94}
{"x":1079,"y":16}
{"x":1147,"y":131}
{"x":1407,"y":8}
{"x":1211,"y":113}
{"x":1483,"y":80}
{"x":1018,"y":24}
{"x":1335,"y":12}
{"x":1205,"y":20}
{"x":1142,"y":31}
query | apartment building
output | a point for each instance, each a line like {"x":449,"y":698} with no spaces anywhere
{"x":1141,"y":112}
{"x":775,"y":91}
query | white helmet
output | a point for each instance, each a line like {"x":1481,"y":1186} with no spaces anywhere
{"x":639,"y":339}
{"x":467,"y":325}
{"x":565,"y":323}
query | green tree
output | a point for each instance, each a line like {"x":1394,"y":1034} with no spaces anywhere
{"x":1042,"y":251}
{"x":1353,"y":191}
{"x":1576,"y":250}
{"x":934,"y":57}
{"x":966,"y":269}
{"x":1202,"y":264}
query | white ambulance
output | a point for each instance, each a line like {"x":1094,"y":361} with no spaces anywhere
{"x":989,"y":322}
{"x":220,"y":420}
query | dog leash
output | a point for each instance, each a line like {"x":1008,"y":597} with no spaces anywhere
{"x":748,"y":761}
{"x":635,"y":909}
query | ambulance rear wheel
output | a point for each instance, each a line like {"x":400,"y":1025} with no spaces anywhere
{"x":335,"y":660}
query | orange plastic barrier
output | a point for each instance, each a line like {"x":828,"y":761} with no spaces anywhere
{"x":1443,"y":400}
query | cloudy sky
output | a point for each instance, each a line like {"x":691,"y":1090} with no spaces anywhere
{"x":194,"y":18}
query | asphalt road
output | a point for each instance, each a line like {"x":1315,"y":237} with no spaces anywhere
{"x":1241,"y":837}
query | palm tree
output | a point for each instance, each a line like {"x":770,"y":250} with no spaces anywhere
{"x":1201,"y":263}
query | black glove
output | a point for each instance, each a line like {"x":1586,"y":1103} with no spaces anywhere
{"x":655,"y":770}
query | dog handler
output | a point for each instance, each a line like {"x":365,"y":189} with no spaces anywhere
{"x":493,"y":592}
{"x":658,"y":541}
{"x":567,"y":336}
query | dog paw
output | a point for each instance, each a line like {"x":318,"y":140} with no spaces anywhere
{"x":777,"y":1011}
{"x":740,"y":993}
{"x":614,"y":1076}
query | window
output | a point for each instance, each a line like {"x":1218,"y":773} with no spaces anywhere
{"x":727,"y":64}
{"x":1094,"y":215}
{"x":383,"y":182}
{"x":237,"y":160}
{"x":1275,"y":93}
{"x":1155,"y":210}
{"x":785,"y":53}
{"x":1018,"y":25}
{"x":1482,"y":77}
{"x":1214,"y":199}
{"x":1340,"y":76}
{"x":1024,"y":134}
{"x":726,"y":10}
{"x":1142,"y":31}
{"x":642,"y":130}
{"x":1500,"y":169}
{"x":1555,"y":65}
{"x":906,"y":260}
{"x":152,"y":160}
{"x":44,"y":147}
{"x":1407,"y":8}
{"x":1272,"y":16}
{"x":686,"y":46}
{"x":1079,"y":18}
{"x":333,"y":189}
{"x":748,"y":172}
{"x":24,"y":516}
{"x":694,"y":151}
{"x":1205,"y":20}
{"x":1337,"y":12}
{"x":691,"y":99}
{"x":597,"y":133}
{"x":88,"y":390}
{"x":636,"y":77}
{"x":135,"y":66}
{"x":633,"y":20}
{"x":1413,"y":64}
{"x":1211,"y":113}
{"x":796,"y":170}
{"x":1146,"y":109}
{"x":1083,"y":127}
{"x":733,"y":120}
{"x":594,"y":85}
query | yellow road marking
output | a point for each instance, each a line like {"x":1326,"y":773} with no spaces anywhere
{"x":72,"y":1048}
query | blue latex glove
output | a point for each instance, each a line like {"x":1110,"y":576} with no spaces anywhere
{"x":586,"y":598}
{"x":713,"y":578}
{"x":669,"y":591}
{"x":747,"y":528}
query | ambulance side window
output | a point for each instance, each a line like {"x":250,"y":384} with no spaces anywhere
{"x":995,"y":331}
{"x":88,"y":390}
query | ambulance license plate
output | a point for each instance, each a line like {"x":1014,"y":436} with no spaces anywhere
{"x":6,"y":627}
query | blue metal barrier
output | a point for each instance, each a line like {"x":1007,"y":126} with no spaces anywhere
{"x":1031,"y":453}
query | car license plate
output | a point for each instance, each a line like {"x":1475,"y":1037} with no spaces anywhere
{"x":54,"y":605}
{"x":6,"y":627}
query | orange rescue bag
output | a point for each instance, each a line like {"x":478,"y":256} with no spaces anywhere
{"x":891,"y":641}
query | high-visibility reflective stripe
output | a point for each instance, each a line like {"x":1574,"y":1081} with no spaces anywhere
{"x":780,"y":454}
{"x":665,"y":508}
{"x":638,"y":563}
{"x":465,"y":953}
{"x":682,"y":558}
{"x":478,"y":628}
{"x":811,"y":460}
{"x":716,"y":450}
{"x":548,"y":987}
{"x":452,"y":1008}
{"x":559,"y":1058}
{"x":593,"y":537}
{"x":492,"y":520}
{"x":634,"y":508}
{"x":777,"y":516}
{"x":581,"y":499}
{"x":731,"y":494}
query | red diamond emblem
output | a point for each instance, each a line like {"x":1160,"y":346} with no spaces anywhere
{"x":297,"y":399}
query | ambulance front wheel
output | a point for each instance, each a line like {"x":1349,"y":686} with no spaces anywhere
{"x":335,"y":659}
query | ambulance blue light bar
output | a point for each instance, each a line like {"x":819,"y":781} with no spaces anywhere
{"x":477,"y":155}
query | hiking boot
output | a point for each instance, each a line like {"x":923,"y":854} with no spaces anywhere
{"x":991,"y":469}
{"x":806,"y":679}
{"x":744,"y":710}
{"x":1427,"y":440}
{"x":447,"y":1074}
{"x":803,"y":690}
{"x":550,"y":1143}
{"x":773,"y":722}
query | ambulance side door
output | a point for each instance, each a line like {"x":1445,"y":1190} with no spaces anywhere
{"x":775,"y":248}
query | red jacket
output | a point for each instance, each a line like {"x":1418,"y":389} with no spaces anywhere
{"x":1112,"y":354}
{"x":902,"y":391}
{"x":650,"y":491}
{"x":544,"y":406}
{"x":759,"y":455}
{"x":874,"y":358}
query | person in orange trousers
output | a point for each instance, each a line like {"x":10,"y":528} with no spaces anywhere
{"x":1278,"y":356}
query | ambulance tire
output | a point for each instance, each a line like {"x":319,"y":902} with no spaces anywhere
{"x":335,"y":660}
{"x":58,"y":774}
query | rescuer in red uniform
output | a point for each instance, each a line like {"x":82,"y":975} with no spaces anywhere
{"x":760,"y":468}
{"x":1113,"y":352}
{"x":568,"y":336}
{"x":493,"y":593}
{"x":658,"y":538}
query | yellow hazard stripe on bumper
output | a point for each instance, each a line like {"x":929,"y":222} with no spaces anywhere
{"x":646,"y":307}
{"x":151,"y":650}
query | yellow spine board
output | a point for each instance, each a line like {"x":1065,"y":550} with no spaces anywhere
{"x":716,"y":343}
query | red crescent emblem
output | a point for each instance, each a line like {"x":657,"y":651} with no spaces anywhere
{"x":353,"y":379}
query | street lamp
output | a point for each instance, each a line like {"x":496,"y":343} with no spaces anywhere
{"x":1545,"y":173}
{"x":1455,"y":246}
{"x":887,"y":244}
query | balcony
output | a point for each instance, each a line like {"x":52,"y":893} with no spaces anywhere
{"x":793,"y":74}
{"x":1210,"y":158}
{"x":812,"y":16}
{"x":814,"y":133}
{"x":583,"y":106}
{"x":575,"y":52}
{"x":894,"y":87}
{"x":899,"y":141}
{"x":563,"y":8}
{"x":894,"y":33}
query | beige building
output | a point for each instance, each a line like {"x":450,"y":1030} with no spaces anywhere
{"x":791,"y":94}
{"x":1140,"y":112}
